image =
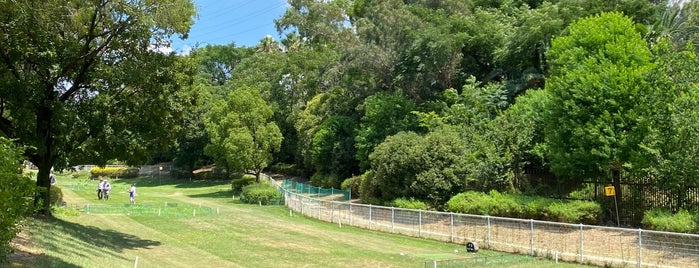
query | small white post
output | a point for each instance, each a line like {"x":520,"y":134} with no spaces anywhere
{"x":217,"y":211}
{"x":555,"y":254}
{"x":259,"y":202}
{"x":88,"y":208}
{"x":158,"y":212}
{"x":135,"y":264}
{"x":194,"y":212}
{"x":339,"y":223}
{"x":290,"y":213}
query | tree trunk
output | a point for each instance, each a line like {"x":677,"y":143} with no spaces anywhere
{"x":45,"y":156}
{"x":42,"y":199}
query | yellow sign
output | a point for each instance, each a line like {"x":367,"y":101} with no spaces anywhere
{"x":609,"y":191}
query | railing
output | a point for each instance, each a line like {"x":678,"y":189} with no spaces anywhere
{"x":587,"y":244}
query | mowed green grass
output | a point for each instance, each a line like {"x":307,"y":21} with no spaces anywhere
{"x":234,"y":235}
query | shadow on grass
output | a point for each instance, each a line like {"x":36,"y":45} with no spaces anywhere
{"x":85,"y":239}
{"x":25,"y":259}
{"x":62,"y":242}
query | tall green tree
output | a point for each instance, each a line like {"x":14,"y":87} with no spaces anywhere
{"x":384,"y":114}
{"x":243,"y":137}
{"x":74,"y":85}
{"x":670,"y":152}
{"x":598,"y":94}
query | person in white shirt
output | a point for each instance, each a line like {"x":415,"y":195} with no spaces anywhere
{"x":132,"y":193}
{"x":105,"y":190}
{"x":100,"y":187}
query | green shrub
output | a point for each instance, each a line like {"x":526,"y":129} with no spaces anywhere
{"x":324,"y":180}
{"x":114,"y":172}
{"x":353,"y":184}
{"x":262,"y":193}
{"x":664,"y":220}
{"x":238,"y":184}
{"x":408,"y":203}
{"x":470,"y":203}
{"x":504,"y":205}
{"x":56,"y":195}
{"x":16,"y":192}
{"x":526,"y":207}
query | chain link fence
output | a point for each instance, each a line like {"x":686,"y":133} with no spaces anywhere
{"x":586,"y":244}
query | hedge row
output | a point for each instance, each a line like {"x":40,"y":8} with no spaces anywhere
{"x":663,"y":220}
{"x":114,"y":172}
{"x":525,"y":207}
{"x":238,"y":184}
{"x":262,"y":193}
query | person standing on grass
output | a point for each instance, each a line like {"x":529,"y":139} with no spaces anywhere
{"x":105,"y":190}
{"x":100,"y":187}
{"x":132,"y":193}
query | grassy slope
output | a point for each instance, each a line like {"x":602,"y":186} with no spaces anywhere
{"x":240,"y":235}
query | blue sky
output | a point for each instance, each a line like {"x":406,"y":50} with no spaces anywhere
{"x":221,"y":22}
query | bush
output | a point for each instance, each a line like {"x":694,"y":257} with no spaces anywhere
{"x":238,"y":184}
{"x":353,"y":184}
{"x":325,"y":180}
{"x":664,"y":220}
{"x":408,"y":203}
{"x":56,"y":195}
{"x":16,"y":192}
{"x":114,"y":172}
{"x":262,"y":193}
{"x":528,"y":207}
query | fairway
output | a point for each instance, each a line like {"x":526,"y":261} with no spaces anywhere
{"x":165,"y":230}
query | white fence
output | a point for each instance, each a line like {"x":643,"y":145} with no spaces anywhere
{"x":587,"y":244}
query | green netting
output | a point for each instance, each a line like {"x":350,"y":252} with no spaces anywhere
{"x":165,"y":209}
{"x":317,"y":192}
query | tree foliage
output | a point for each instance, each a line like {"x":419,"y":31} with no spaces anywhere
{"x":73,"y":85}
{"x":598,"y":95}
{"x":16,"y":191}
{"x":243,"y":137}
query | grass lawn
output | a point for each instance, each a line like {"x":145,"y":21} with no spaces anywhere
{"x":224,"y":233}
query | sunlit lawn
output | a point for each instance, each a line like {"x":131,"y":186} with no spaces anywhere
{"x":224,"y":233}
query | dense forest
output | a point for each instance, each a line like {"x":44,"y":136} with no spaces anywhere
{"x":396,"y":99}
{"x":425,"y":99}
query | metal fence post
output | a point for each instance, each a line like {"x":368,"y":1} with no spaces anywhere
{"x":393,"y":222}
{"x":531,"y":237}
{"x":488,"y":235}
{"x":581,"y":243}
{"x":419,"y":230}
{"x":451,"y":227}
{"x":640,"y":247}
